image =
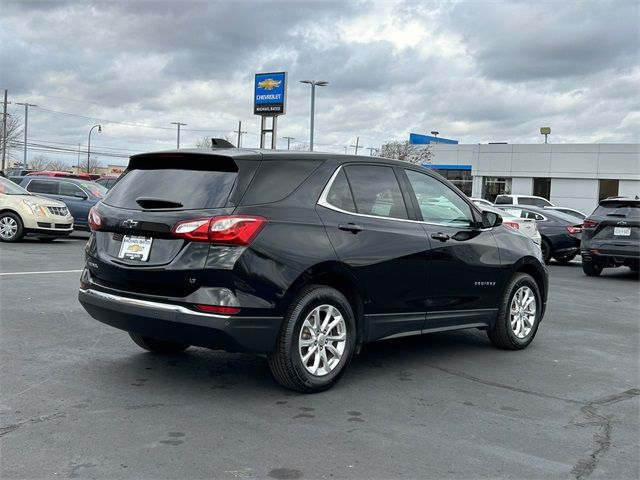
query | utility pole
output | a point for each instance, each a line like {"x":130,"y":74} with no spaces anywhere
{"x":26,"y":117}
{"x":178,"y":124}
{"x":289,"y":142}
{"x":356,"y":146}
{"x":371,"y":149}
{"x":240,"y":132}
{"x":4,"y":129}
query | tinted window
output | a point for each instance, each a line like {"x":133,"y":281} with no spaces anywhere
{"x":536,"y":202}
{"x":340,"y":194}
{"x":71,"y":190}
{"x":43,"y":186}
{"x":438,"y":203}
{"x":194,"y":189}
{"x":277,"y":179}
{"x":376,"y":191}
{"x":503,"y":200}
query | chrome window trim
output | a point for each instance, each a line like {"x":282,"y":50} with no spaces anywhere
{"x":323,"y":202}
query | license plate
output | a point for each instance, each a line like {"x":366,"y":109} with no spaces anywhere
{"x":135,"y":248}
{"x":622,"y":231}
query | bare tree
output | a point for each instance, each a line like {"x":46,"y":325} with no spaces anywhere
{"x":14,"y":134}
{"x":39,"y":163}
{"x":405,"y":151}
{"x":58,"y":165}
{"x":92,"y":166}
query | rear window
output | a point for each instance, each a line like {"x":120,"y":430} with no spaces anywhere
{"x":618,"y":209}
{"x":194,"y":189}
{"x":504,"y":200}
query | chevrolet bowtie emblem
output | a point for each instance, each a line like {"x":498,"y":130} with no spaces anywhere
{"x":269,"y":84}
{"x":129,"y":223}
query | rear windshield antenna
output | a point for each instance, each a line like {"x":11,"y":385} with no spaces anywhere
{"x":221,"y":143}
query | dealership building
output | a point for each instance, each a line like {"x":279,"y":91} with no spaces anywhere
{"x":571,"y":175}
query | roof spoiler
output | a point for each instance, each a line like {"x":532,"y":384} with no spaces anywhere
{"x":221,"y":143}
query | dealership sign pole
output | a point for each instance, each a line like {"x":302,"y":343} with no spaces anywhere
{"x":269,"y":100}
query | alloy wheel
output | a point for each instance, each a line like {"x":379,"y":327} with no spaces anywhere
{"x":523,"y":312}
{"x":8,"y":228}
{"x":323,"y":339}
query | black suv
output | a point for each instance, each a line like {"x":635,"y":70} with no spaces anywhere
{"x":303,"y":257}
{"x":611,"y":236}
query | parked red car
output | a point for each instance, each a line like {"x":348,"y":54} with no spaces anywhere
{"x":49,"y":173}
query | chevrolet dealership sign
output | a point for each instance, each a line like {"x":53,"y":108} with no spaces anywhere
{"x":270,"y":92}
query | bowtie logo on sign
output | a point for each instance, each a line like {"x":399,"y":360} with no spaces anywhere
{"x":269,"y":84}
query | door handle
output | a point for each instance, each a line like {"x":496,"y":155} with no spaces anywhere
{"x":350,"y":227}
{"x":443,"y":237}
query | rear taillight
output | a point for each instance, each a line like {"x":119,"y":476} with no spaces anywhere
{"x":589,"y":223}
{"x":511,"y":224}
{"x":95,"y":220}
{"x":233,"y":229}
{"x":221,"y":309}
{"x":574,"y":230}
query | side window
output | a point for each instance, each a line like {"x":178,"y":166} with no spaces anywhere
{"x":439,"y":203}
{"x":376,"y":191}
{"x":526,"y":201}
{"x":43,"y":186}
{"x":538,"y":202}
{"x":70,"y":190}
{"x":340,"y":194}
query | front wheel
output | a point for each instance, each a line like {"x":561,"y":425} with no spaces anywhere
{"x":316,"y":342}
{"x":11,"y":228}
{"x":519,"y":314}
{"x":158,"y":346}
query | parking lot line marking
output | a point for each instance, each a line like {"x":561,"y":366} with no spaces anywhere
{"x":35,"y":273}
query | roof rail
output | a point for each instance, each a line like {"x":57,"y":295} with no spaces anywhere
{"x":221,"y":143}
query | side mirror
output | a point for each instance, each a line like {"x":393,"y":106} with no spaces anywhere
{"x":490,"y":219}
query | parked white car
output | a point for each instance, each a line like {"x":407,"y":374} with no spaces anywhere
{"x":528,"y":226}
{"x":523,"y":200}
{"x":23,"y":213}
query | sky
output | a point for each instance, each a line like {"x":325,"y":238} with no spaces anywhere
{"x":475,"y":71}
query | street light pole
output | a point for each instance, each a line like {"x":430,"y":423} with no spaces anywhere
{"x":26,"y":118}
{"x":89,"y":147}
{"x":178,"y":124}
{"x":313,"y":83}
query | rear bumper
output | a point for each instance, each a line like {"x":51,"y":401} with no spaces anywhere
{"x":177,"y":323}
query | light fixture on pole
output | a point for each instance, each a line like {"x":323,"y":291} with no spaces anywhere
{"x":313,"y":83}
{"x":89,"y":147}
{"x":546,"y":131}
{"x":179,"y":124}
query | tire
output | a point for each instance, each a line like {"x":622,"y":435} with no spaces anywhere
{"x":591,"y":269}
{"x":46,"y":239}
{"x":564,"y":259}
{"x":503,"y":334}
{"x":11,"y":227}
{"x":545,"y":246}
{"x":312,"y":307}
{"x":157,"y":346}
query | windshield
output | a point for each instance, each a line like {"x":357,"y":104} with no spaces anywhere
{"x":9,"y":188}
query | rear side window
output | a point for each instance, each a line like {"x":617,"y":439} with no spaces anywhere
{"x":71,"y":190}
{"x":376,"y":191}
{"x":43,"y":186}
{"x":277,"y":179}
{"x":340,"y":194}
{"x":194,"y":189}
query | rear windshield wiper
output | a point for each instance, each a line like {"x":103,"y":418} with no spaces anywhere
{"x":148,"y":202}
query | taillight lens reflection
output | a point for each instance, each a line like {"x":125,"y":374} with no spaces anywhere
{"x":232,"y":229}
{"x":589,"y":223}
{"x":94,"y":219}
{"x":511,"y":224}
{"x":574,"y":230}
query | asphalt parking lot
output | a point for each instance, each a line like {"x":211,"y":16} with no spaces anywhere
{"x":80,"y":400}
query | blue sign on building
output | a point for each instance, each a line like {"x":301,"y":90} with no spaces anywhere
{"x":419,"y":139}
{"x":270,"y":92}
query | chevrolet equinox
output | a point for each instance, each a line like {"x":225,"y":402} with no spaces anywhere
{"x":302,"y":257}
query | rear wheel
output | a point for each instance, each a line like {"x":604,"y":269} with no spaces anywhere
{"x":158,"y":346}
{"x":564,"y":259}
{"x":316,"y":342}
{"x":591,"y":269}
{"x":546,"y":250}
{"x":518,"y":315}
{"x":11,"y":228}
